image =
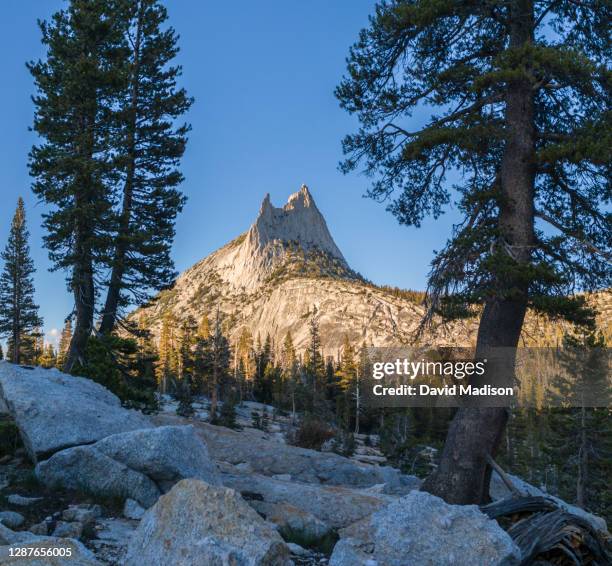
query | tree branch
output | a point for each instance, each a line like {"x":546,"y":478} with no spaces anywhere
{"x":585,"y":243}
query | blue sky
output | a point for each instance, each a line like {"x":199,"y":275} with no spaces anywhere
{"x":264,"y":120}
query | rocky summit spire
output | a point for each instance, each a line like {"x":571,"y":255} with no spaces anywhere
{"x":297,"y":221}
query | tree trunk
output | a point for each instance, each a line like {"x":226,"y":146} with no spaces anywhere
{"x":83,"y":289}
{"x":582,"y":462}
{"x":17,"y":314}
{"x":463,"y":475}
{"x":109,"y":315}
{"x":83,"y":276}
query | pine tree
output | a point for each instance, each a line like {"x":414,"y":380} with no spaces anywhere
{"x":149,"y":147}
{"x":266,"y":374}
{"x":187,"y":365}
{"x":290,"y":372}
{"x":78,"y":89}
{"x":217,"y":362}
{"x":204,"y":328}
{"x":246,"y":357}
{"x":167,"y":365}
{"x":18,"y":311}
{"x":64,"y":344}
{"x":347,"y":382}
{"x":227,"y":413}
{"x":315,"y":365}
{"x":48,"y":358}
{"x":514,"y":126}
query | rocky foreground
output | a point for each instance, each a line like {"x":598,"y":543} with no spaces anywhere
{"x":112,"y":486}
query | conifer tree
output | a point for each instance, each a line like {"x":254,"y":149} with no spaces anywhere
{"x":149,"y":147}
{"x":315,"y":365}
{"x":167,"y":365}
{"x":184,"y":382}
{"x":78,"y":88}
{"x":514,"y":101}
{"x":204,"y":328}
{"x":18,"y":311}
{"x":217,"y":361}
{"x":48,"y":358}
{"x":347,"y":378}
{"x":291,"y":374}
{"x":245,"y":355}
{"x":64,"y":344}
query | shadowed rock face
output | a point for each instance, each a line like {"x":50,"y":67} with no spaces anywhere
{"x":196,"y":523}
{"x":139,"y":465}
{"x":54,"y":410}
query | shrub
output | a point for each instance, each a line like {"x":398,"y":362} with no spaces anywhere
{"x":9,"y":437}
{"x":312,"y":433}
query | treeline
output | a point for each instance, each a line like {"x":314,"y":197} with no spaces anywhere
{"x":196,"y":357}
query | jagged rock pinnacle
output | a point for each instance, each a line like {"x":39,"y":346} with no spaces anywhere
{"x":297,"y":221}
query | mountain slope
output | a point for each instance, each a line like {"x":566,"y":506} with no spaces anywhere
{"x":286,"y":269}
{"x":274,"y":277}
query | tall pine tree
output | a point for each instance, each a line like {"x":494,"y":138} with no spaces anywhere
{"x":18,"y":311}
{"x":78,"y":88}
{"x":514,"y":126}
{"x":149,"y":147}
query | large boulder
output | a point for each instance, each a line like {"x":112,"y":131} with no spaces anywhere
{"x":272,"y":458}
{"x":139,"y":465}
{"x":54,"y":410}
{"x":166,"y":454}
{"x":84,"y":468}
{"x":196,"y":523}
{"x":333,"y":505}
{"x":422,"y":530}
{"x":499,"y":490}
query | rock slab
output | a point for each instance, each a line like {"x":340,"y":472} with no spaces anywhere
{"x":196,"y":523}
{"x":332,"y":505}
{"x":247,"y":448}
{"x":54,"y":410}
{"x":84,"y":468}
